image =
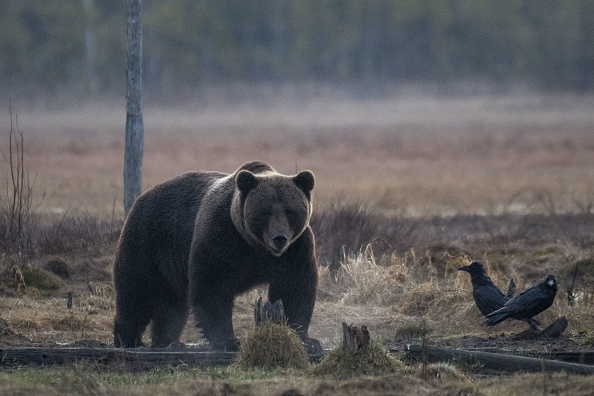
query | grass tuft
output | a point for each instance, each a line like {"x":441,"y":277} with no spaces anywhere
{"x":28,"y":277}
{"x":341,"y":363}
{"x":413,"y":330}
{"x":272,"y":346}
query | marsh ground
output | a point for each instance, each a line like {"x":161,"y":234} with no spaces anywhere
{"x":407,"y":190}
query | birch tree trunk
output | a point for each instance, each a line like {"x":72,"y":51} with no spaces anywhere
{"x":134,"y":127}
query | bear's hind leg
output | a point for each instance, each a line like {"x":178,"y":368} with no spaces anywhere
{"x":168,"y":323}
{"x":127,"y":331}
{"x":133,"y":314}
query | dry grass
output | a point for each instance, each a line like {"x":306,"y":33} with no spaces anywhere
{"x":362,"y":290}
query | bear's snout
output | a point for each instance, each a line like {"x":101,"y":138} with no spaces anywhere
{"x":279,"y":241}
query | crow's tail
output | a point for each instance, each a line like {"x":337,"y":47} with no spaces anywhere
{"x":496,"y":317}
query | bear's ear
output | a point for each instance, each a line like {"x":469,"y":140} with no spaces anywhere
{"x":246,"y":181}
{"x":305,"y":181}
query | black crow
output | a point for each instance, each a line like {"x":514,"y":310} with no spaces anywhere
{"x":527,"y":304}
{"x":487,"y":296}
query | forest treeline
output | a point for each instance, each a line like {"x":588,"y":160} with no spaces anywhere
{"x":79,"y":46}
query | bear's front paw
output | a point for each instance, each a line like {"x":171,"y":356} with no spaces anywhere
{"x":312,"y":346}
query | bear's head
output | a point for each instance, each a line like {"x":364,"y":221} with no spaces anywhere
{"x":272,"y":210}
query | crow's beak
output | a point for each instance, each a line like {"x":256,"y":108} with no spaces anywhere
{"x":464,"y":268}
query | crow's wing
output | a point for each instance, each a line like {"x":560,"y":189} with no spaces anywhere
{"x":528,"y":303}
{"x":488,"y":298}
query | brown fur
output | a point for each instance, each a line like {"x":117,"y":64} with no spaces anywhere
{"x":199,"y":240}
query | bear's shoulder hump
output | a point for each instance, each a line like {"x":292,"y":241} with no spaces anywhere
{"x":256,"y":167}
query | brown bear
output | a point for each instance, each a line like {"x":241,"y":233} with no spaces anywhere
{"x":202,"y":238}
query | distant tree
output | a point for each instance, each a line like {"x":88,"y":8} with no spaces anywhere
{"x":90,"y":48}
{"x":134,"y":127}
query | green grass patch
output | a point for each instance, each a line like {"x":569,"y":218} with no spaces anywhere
{"x":87,"y":378}
{"x":341,"y":363}
{"x":28,"y":277}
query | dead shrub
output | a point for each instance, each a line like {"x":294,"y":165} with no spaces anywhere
{"x":360,"y":280}
{"x":102,"y":296}
{"x":99,"y":270}
{"x":436,"y":262}
{"x":23,"y":230}
{"x":58,"y":267}
{"x":76,"y":232}
{"x":345,"y":229}
{"x":17,"y":217}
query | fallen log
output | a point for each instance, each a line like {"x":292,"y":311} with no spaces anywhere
{"x":52,"y":356}
{"x":496,"y":361}
{"x":142,"y":357}
{"x":581,"y":357}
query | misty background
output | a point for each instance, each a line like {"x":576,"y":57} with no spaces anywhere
{"x":368,"y":48}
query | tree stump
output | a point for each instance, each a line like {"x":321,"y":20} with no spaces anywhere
{"x":273,"y":312}
{"x":355,"y":338}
